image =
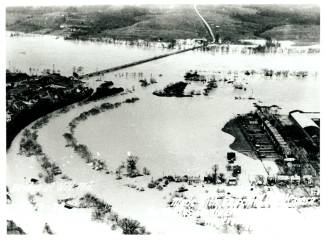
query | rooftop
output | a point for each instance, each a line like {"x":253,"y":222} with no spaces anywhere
{"x":305,"y":119}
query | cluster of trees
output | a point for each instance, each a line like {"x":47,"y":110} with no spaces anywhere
{"x":84,"y":152}
{"x":41,"y":122}
{"x":103,"y":212}
{"x":101,"y":208}
{"x":30,"y":147}
{"x":97,"y":110}
{"x":131,"y":227}
{"x":50,"y":168}
{"x":132,"y":100}
{"x":172,"y":89}
{"x":131,"y":168}
{"x":105,"y":90}
{"x":66,"y":109}
{"x":13,"y":229}
{"x":268,"y":45}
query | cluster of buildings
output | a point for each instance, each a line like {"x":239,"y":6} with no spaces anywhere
{"x":308,"y":124}
{"x":302,"y":130}
{"x":258,"y":138}
{"x":273,"y":134}
{"x":292,"y":141}
{"x":74,"y":22}
{"x":24,"y":92}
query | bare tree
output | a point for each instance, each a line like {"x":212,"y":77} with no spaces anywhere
{"x":215,"y":169}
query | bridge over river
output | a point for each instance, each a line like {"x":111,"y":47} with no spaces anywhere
{"x":108,"y":70}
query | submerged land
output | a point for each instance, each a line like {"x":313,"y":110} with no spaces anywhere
{"x":176,"y":145}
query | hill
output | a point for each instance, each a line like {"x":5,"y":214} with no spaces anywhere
{"x":165,"y":22}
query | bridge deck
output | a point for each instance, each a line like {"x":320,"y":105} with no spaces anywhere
{"x":88,"y":75}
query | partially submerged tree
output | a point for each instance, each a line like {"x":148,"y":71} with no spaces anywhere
{"x":118,"y":172}
{"x":13,"y":229}
{"x":215,"y":169}
{"x":131,"y":227}
{"x":145,"y":171}
{"x":131,"y":166}
{"x":47,"y":229}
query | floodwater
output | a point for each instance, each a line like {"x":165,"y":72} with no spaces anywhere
{"x":170,"y":135}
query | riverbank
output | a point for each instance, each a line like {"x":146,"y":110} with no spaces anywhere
{"x":240,"y":144}
{"x":154,"y":209}
{"x":170,"y":136}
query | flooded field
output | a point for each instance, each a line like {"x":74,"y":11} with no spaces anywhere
{"x":169,"y":135}
{"x":178,"y":135}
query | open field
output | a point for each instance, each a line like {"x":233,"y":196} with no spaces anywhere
{"x":301,"y":34}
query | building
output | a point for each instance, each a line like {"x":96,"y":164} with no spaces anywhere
{"x":278,"y":141}
{"x":308,"y":123}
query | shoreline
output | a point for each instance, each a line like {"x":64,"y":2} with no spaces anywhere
{"x":122,"y":41}
{"x":148,"y":206}
{"x":179,"y":211}
{"x":143,"y":43}
{"x":240,"y":144}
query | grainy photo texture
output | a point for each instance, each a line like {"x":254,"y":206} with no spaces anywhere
{"x":162,"y":119}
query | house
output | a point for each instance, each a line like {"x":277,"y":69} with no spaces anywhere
{"x":308,"y":180}
{"x":194,"y":179}
{"x":232,"y":181}
{"x":236,"y":170}
{"x":56,"y":170}
{"x":291,"y":160}
{"x":271,"y":180}
{"x":295,"y":179}
{"x":259,"y":180}
{"x":231,"y":157}
{"x":283,"y":179}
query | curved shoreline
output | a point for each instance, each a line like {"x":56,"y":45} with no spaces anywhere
{"x":27,"y":117}
{"x":240,"y":144}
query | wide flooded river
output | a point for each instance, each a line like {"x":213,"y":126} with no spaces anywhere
{"x":170,"y":135}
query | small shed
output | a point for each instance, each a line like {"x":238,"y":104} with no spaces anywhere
{"x":283,"y":179}
{"x":232,"y":181}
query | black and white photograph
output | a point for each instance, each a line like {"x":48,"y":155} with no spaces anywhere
{"x":161,"y":119}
